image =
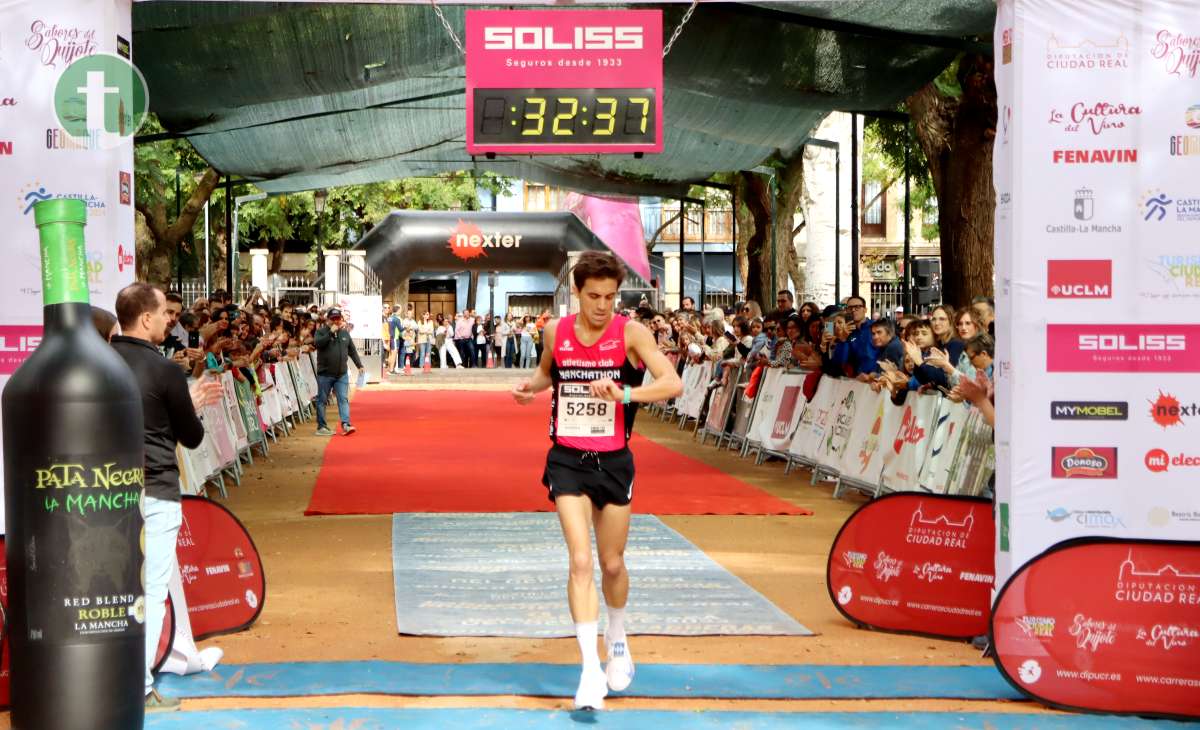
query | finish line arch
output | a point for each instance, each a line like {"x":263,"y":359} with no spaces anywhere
{"x":409,"y":241}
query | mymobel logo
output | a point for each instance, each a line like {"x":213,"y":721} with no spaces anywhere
{"x":1122,"y":348}
{"x":585,"y":38}
{"x":1079,"y":279}
{"x":1089,"y":410}
{"x":100,"y":100}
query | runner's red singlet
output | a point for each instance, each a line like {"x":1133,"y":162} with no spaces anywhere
{"x":577,"y":420}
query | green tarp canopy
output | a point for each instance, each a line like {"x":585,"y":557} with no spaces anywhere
{"x":297,"y":96}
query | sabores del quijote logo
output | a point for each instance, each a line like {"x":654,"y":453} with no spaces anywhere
{"x":1179,"y":52}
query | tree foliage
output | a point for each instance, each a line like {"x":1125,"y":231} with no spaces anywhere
{"x":172,"y":230}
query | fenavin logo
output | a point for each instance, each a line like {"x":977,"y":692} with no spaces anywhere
{"x":1089,"y":410}
{"x":584,"y":38}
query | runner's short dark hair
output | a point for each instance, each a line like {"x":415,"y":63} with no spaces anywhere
{"x":597,"y":265}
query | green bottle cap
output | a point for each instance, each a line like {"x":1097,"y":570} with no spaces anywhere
{"x":60,"y":210}
{"x":60,"y":223}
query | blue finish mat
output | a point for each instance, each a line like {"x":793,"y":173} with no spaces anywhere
{"x":728,"y":681}
{"x":505,"y":575}
{"x":353,"y":718}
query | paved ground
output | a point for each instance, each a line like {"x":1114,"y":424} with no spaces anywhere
{"x":329,"y":593}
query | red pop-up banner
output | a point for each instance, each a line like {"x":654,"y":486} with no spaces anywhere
{"x":916,"y":563}
{"x":1105,"y":625}
{"x":222,"y":573}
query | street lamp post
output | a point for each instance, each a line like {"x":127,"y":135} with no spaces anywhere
{"x":320,"y":198}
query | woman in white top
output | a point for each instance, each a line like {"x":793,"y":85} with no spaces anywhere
{"x":444,"y":333}
{"x":424,"y":338}
{"x":527,"y":348}
{"x":481,"y":346}
{"x":503,"y":333}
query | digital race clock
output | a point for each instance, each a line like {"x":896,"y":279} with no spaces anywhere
{"x":564,"y":116}
{"x":564,"y":81}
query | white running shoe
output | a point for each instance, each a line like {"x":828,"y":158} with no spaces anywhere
{"x":593,"y":688}
{"x":620,"y":668}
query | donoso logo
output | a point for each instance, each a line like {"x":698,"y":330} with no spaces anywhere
{"x":1083,"y":462}
{"x":585,"y":38}
{"x":1122,"y":348}
{"x":1079,"y":279}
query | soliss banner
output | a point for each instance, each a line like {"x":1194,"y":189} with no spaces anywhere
{"x":1124,"y":638}
{"x":222,"y":573}
{"x":916,"y":563}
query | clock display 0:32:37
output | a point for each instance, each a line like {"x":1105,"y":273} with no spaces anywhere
{"x":550,"y":116}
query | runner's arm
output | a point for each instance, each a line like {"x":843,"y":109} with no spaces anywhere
{"x":524,"y":391}
{"x":666,"y":383}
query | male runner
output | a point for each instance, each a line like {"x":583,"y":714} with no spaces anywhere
{"x":593,"y":361}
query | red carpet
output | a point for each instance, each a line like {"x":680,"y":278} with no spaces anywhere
{"x":462,"y":451}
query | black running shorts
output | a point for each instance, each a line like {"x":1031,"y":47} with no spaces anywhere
{"x":604,"y":477}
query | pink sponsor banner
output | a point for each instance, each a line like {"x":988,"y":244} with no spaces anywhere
{"x":1123,"y":348}
{"x":17,"y":342}
{"x":564,"y":81}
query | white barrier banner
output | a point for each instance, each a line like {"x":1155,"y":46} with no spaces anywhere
{"x":861,"y":462}
{"x":768,"y":401}
{"x":234,"y":411}
{"x":910,"y":443}
{"x":721,"y":400}
{"x":943,"y":446}
{"x":777,"y":431}
{"x":814,"y":420}
{"x":837,"y":432}
{"x":365,"y":312}
{"x":867,"y":453}
{"x":695,"y":389}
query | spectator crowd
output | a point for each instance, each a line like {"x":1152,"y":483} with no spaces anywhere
{"x":946,"y":350}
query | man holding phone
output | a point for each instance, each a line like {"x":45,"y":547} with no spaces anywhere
{"x":334,"y":346}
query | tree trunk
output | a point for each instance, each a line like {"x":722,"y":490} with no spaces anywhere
{"x":754,"y":195}
{"x":472,"y":289}
{"x":164,"y":236}
{"x":399,"y":295}
{"x":763,"y":276}
{"x":745,"y":231}
{"x":956,"y":135}
{"x":789,"y":186}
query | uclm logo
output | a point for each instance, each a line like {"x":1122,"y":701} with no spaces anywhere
{"x":1122,"y":348}
{"x":1079,"y":279}
{"x":581,"y":38}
